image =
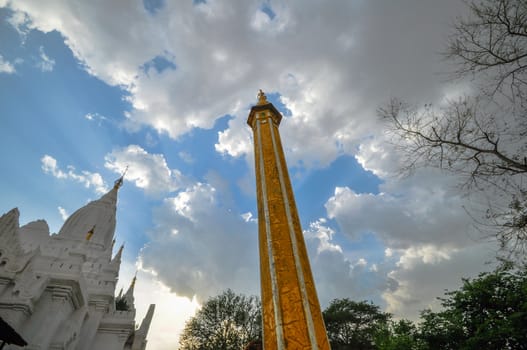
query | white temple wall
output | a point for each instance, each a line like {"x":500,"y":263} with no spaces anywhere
{"x":110,"y":340}
{"x":51,"y":310}
{"x":89,"y":328}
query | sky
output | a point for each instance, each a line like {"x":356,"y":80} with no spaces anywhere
{"x":164,"y":87}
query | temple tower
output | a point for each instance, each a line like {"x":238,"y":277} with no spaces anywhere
{"x":291,"y":312}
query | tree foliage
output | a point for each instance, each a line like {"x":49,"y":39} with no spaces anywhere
{"x":398,"y":335}
{"x":121,"y":304}
{"x":481,"y":137}
{"x":488,"y":312}
{"x":225,"y":322}
{"x":353,"y":325}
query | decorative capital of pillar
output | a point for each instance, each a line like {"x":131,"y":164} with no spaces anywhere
{"x":264,"y":111}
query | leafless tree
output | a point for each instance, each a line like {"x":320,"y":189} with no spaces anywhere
{"x":492,"y":44}
{"x":482,"y":138}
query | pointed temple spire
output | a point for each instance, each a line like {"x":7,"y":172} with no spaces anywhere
{"x":119,"y":182}
{"x":129,"y":295}
{"x":9,"y":224}
{"x":291,"y":311}
{"x":145,"y":325}
{"x":130,"y":290}
{"x":9,"y":237}
{"x":98,"y":214}
{"x":116,"y":261}
{"x":132,"y":285}
{"x":119,"y":253}
{"x":139,"y":341}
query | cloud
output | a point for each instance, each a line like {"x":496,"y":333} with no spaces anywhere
{"x":186,"y":157}
{"x":430,"y":241}
{"x":149,"y":172}
{"x":63,"y":214}
{"x":331,"y":72}
{"x":6,"y":67}
{"x":324,"y":234}
{"x":45,"y":64}
{"x":197,"y":229}
{"x":337,"y":275}
{"x":406,"y":216}
{"x":87,"y":178}
{"x":424,"y":272}
{"x":200,"y":246}
{"x":171,"y":312}
{"x":95,"y":117}
{"x":19,"y":21}
{"x":121,"y":49}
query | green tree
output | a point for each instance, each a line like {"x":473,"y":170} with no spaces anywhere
{"x":225,"y":322}
{"x":488,"y":312}
{"x":398,"y":335}
{"x":480,"y":137}
{"x":353,"y":325}
{"x":121,"y":304}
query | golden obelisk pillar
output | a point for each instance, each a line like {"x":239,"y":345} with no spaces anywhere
{"x":291,"y":312}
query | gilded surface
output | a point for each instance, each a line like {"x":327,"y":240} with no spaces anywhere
{"x":297,"y":317}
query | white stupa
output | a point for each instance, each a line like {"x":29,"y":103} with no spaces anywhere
{"x":58,"y":291}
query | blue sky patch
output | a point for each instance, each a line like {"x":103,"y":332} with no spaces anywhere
{"x":160,"y":64}
{"x":268,"y":10}
{"x":153,"y":6}
{"x":314,"y":188}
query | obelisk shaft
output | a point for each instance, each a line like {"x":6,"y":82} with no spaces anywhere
{"x":291,"y":312}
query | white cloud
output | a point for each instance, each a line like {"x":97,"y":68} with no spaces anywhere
{"x":149,"y":172}
{"x":324,"y":234}
{"x":423,"y":273}
{"x":171,"y":312}
{"x":63,"y":214}
{"x":186,"y":157}
{"x":343,"y":274}
{"x":6,"y":67}
{"x":332,"y":71}
{"x":248,"y":217}
{"x":121,"y":49}
{"x":200,"y":247}
{"x":45,"y":64}
{"x":422,"y":221}
{"x":19,"y":21}
{"x":407,"y":216}
{"x":87,"y":178}
{"x":196,"y":230}
{"x":96,"y":117}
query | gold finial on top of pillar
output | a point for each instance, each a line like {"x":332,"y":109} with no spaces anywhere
{"x":262,"y":99}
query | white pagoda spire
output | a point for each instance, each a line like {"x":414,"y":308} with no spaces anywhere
{"x":129,"y":295}
{"x":140,"y":334}
{"x":95,"y":222}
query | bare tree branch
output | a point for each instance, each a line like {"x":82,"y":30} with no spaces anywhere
{"x":493,"y":40}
